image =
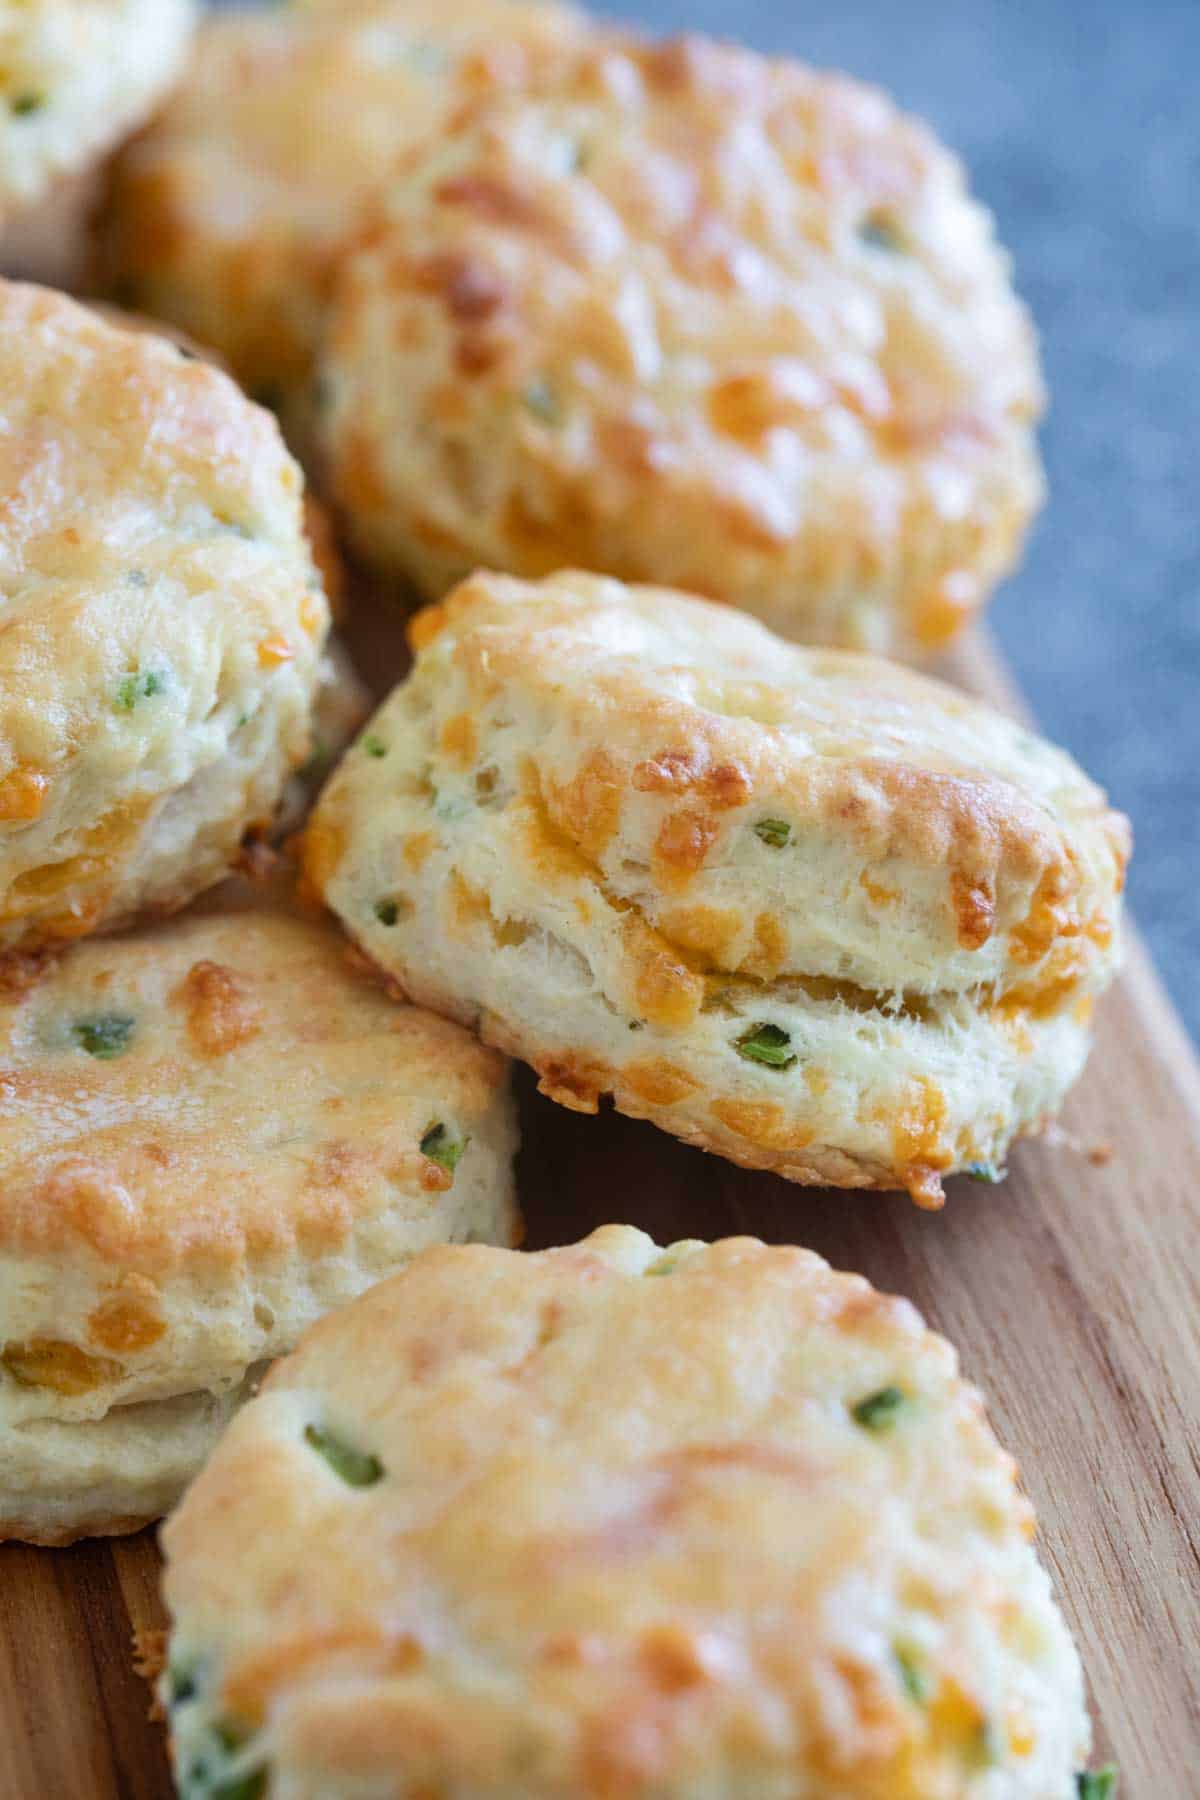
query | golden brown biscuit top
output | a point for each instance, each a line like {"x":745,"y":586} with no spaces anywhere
{"x":285,"y":122}
{"x":734,"y":282}
{"x":658,"y":725}
{"x":318,"y":521}
{"x":665,"y":656}
{"x":607,"y":1520}
{"x":150,"y":546}
{"x":117,"y":442}
{"x":215,"y":1090}
{"x":308,"y":107}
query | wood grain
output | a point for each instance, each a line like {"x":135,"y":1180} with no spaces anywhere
{"x":1071,"y":1291}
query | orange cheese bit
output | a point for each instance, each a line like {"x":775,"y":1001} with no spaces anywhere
{"x":876,"y":892}
{"x":1022,"y":1738}
{"x":418,"y":849}
{"x":321,"y":849}
{"x":311,"y":614}
{"x":459,"y":740}
{"x":426,"y":625}
{"x":129,"y":1321}
{"x":58,"y":1366}
{"x":942,"y":612}
{"x":924,"y":1187}
{"x":22,"y":795}
{"x":274,"y":650}
{"x":920,"y":1151}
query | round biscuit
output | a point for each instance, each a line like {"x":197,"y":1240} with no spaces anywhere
{"x":75,"y":77}
{"x":801,"y":907}
{"x":698,"y":318}
{"x":163,"y":621}
{"x":231,"y":213}
{"x":714,"y":1523}
{"x":211,"y":1132}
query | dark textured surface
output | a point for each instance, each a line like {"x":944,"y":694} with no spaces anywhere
{"x":1081,"y":127}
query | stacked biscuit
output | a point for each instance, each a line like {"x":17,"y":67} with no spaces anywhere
{"x":629,"y":356}
{"x":212,"y":1128}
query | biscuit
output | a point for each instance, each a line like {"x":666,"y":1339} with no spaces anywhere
{"x":801,"y":907}
{"x":318,"y":523}
{"x":75,"y":76}
{"x":694,"y":318}
{"x":163,"y":621}
{"x":230,"y":214}
{"x":211,"y":1132}
{"x":714,"y":1523}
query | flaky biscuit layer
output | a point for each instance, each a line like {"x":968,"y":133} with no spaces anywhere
{"x":62,"y":1480}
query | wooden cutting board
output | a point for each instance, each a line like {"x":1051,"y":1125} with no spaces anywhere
{"x":1072,"y":1294}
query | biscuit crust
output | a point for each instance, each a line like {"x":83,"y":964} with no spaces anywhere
{"x":698,"y":318}
{"x":711,"y":1522}
{"x":230,"y":214}
{"x":77,"y":75}
{"x":161,"y":621}
{"x":211,"y":1132}
{"x":805,"y":908}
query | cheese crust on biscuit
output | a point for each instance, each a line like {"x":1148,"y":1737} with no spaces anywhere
{"x":693,"y":317}
{"x":709,"y":1523}
{"x":800,"y":907}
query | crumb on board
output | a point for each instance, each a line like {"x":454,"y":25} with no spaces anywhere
{"x":1099,"y":1153}
{"x":149,"y":1661}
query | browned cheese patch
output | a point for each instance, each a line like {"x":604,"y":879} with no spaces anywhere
{"x":61,"y":1367}
{"x":220,"y":1009}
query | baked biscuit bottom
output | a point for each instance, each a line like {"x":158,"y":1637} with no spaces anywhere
{"x":61,"y":1481}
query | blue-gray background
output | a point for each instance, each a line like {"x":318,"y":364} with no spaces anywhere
{"x":1080,"y":120}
